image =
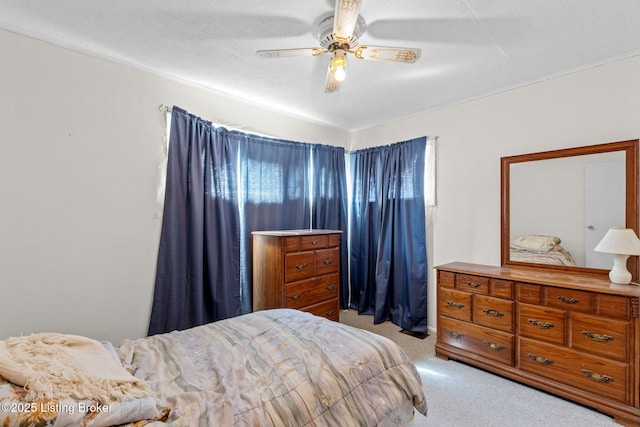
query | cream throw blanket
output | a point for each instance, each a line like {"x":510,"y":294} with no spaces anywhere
{"x":58,"y":366}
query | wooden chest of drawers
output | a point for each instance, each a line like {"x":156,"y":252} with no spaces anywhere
{"x":297,"y":269}
{"x":571,"y":335}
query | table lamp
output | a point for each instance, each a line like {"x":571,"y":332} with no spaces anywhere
{"x":622,"y":243}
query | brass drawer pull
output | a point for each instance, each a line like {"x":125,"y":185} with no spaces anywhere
{"x":295,"y":296}
{"x":473,"y":285}
{"x":455,"y":305}
{"x":314,"y":242}
{"x":327,"y":261}
{"x":330,"y":287}
{"x":540,"y":360}
{"x":492,"y":313}
{"x":494,"y":347}
{"x":330,"y":313}
{"x":455,"y":335}
{"x":541,"y":325}
{"x":302,"y":266}
{"x":596,"y":377}
{"x":568,"y":300}
{"x":597,"y":337}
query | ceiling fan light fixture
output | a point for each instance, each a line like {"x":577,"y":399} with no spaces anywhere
{"x":339,"y":64}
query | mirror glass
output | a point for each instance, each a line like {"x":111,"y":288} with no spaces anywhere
{"x":572,"y":201}
{"x":558,"y":205}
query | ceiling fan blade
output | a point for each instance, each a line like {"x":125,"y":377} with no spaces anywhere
{"x":383,"y":53}
{"x":283,"y":53}
{"x":331,"y":83}
{"x":345,"y":18}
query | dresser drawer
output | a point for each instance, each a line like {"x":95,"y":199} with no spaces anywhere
{"x":306,"y":292}
{"x":455,"y":304}
{"x":589,"y":373}
{"x":327,"y":260}
{"x":334,"y":240}
{"x":486,"y":342}
{"x":314,"y":242}
{"x":601,"y":336}
{"x":544,"y":323}
{"x":446,"y":279}
{"x":569,"y":299}
{"x":502,"y":288}
{"x":614,"y":306}
{"x":529,"y":293}
{"x":328,"y":309}
{"x":493,"y":312}
{"x":467,"y":282}
{"x":292,"y":244}
{"x":299,"y":266}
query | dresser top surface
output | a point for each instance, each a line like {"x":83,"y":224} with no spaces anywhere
{"x":539,"y":276}
{"x":295,"y":232}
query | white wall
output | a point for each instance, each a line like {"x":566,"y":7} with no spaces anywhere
{"x":589,"y":107}
{"x":80,"y":143}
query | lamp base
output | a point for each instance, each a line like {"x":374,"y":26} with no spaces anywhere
{"x":619,"y":273}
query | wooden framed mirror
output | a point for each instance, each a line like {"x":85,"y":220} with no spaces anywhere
{"x":556,"y":206}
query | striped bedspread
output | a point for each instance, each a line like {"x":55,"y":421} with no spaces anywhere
{"x":276,"y":368}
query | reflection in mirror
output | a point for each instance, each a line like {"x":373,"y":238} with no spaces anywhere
{"x":561,"y":208}
{"x":557,"y":205}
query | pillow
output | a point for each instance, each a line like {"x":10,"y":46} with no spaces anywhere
{"x":535,"y":243}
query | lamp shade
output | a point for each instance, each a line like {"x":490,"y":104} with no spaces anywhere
{"x":618,"y":240}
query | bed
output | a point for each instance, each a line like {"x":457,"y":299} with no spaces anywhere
{"x":540,"y":249}
{"x":269,"y":368}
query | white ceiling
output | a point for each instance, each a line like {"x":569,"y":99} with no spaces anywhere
{"x":470,"y":48}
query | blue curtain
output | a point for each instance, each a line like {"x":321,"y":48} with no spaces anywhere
{"x":198,"y":269}
{"x":388,"y":236}
{"x":221,"y":186}
{"x":275,"y":195}
{"x":329,"y":210}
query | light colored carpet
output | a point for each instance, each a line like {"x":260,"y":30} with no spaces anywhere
{"x":459,"y":395}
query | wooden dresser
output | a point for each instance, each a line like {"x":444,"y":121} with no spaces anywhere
{"x":297,"y":269}
{"x":576,"y":336}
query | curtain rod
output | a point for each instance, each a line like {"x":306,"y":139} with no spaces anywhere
{"x":433,"y":139}
{"x":231,"y":126}
{"x":167,"y":109}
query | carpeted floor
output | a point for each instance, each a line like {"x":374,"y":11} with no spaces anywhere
{"x":459,"y":395}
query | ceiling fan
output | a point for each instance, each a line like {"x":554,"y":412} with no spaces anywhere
{"x":338,"y":34}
